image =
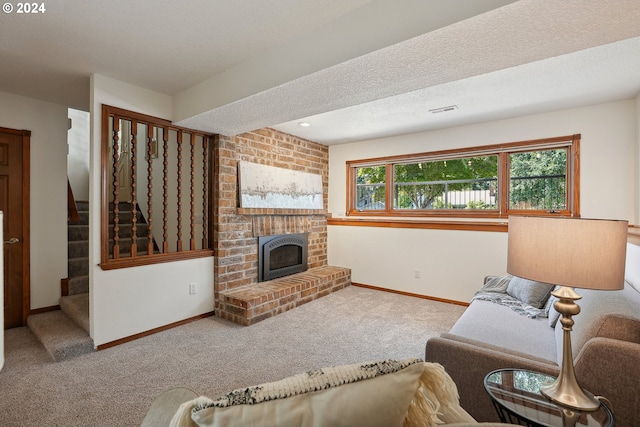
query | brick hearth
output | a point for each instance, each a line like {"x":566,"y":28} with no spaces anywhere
{"x":250,"y":304}
{"x":236,"y":229}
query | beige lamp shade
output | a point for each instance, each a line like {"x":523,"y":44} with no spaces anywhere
{"x":573,"y":252}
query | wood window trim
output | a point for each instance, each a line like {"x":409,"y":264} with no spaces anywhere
{"x":572,"y":142}
{"x":107,"y":263}
{"x":497,"y":226}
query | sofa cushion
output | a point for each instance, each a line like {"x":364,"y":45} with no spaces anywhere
{"x":382,"y":393}
{"x":500,"y":326}
{"x":632,"y":266}
{"x":530,"y":292}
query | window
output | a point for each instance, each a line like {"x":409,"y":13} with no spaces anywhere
{"x":537,"y":177}
{"x":464,"y":183}
{"x":370,"y":187}
{"x":538,"y":180}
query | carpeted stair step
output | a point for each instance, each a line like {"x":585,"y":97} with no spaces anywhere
{"x":61,"y":337}
{"x":78,"y":232}
{"x":83,"y":213}
{"x":76,"y":307}
{"x":78,"y":267}
{"x":78,"y":249}
{"x":82,"y":205}
{"x":78,"y":285}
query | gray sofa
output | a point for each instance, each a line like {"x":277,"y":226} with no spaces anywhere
{"x":605,"y":342}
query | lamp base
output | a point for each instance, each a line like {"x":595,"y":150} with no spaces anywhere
{"x":565,"y":390}
{"x":571,"y":396}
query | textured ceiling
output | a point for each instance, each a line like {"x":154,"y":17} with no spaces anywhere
{"x":165,"y":46}
{"x":591,"y":76}
{"x":463,"y":64}
{"x":354,"y":69}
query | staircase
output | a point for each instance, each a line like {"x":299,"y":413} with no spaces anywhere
{"x":65,"y":333}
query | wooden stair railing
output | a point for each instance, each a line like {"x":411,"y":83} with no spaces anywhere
{"x":72,"y":208}
{"x":143,"y":140}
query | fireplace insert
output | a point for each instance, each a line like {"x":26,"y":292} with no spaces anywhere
{"x":282,"y":255}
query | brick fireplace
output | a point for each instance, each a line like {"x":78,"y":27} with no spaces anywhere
{"x":236,"y":230}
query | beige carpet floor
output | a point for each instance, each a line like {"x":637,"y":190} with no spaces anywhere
{"x":115,"y":387}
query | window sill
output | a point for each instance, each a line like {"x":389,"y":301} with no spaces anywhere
{"x":497,"y":226}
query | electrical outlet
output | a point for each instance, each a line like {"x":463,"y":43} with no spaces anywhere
{"x":416,"y":274}
{"x":193,"y":288}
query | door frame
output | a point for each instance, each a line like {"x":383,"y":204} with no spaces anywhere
{"x":26,"y":218}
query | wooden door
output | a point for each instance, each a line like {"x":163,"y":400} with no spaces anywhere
{"x":14,"y":202}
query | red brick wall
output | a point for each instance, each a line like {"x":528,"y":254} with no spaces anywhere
{"x":236,"y":230}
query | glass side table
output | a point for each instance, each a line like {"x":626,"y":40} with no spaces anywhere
{"x":515,"y":394}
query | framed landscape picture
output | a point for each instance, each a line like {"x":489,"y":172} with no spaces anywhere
{"x":263,"y":186}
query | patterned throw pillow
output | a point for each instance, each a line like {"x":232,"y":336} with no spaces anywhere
{"x":385,"y":393}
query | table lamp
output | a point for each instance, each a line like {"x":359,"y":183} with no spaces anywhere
{"x":570,"y":253}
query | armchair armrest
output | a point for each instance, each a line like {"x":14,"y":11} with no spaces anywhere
{"x":165,"y":406}
{"x":468,"y":362}
{"x":609,"y":368}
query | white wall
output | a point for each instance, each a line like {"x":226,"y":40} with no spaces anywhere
{"x":78,"y":157}
{"x":128,"y":301}
{"x":453,"y":263}
{"x":48,"y":125}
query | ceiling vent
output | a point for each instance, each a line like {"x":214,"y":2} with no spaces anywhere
{"x":443,"y":109}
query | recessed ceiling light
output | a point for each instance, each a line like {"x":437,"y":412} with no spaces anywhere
{"x":443,"y":109}
{"x":304,"y":124}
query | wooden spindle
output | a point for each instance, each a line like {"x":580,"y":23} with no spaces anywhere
{"x":205,"y":178}
{"x":179,"y":183}
{"x":192,"y":238}
{"x":134,"y":210}
{"x":150,"y":141}
{"x":116,"y":184}
{"x":165,"y":190}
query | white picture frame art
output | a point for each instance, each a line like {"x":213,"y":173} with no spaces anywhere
{"x":263,"y":186}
